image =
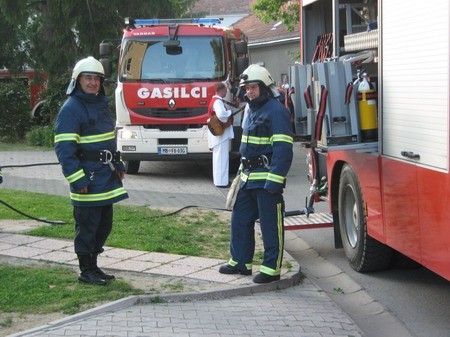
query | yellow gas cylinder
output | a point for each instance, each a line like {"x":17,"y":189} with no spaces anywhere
{"x":367,"y":103}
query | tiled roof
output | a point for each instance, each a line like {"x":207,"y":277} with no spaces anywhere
{"x":254,"y":28}
{"x":259,"y":32}
{"x":224,"y":7}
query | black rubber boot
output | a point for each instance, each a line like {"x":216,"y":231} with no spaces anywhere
{"x":227,"y":269}
{"x":88,"y":274}
{"x":100,"y":272}
{"x":264,"y":278}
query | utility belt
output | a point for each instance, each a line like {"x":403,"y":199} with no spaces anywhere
{"x":102,"y":156}
{"x":255,"y":162}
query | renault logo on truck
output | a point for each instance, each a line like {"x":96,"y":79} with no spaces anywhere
{"x":168,"y":92}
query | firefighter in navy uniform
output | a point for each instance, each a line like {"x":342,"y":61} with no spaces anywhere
{"x":85,"y":145}
{"x":266,"y":156}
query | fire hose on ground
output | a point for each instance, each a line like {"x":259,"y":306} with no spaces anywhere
{"x":308,"y":209}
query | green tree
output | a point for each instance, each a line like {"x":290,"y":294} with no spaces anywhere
{"x":286,"y":11}
{"x":52,"y":34}
{"x":12,"y":53}
{"x":14,"y":115}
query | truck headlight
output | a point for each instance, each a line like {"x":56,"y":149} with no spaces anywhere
{"x":127,"y":134}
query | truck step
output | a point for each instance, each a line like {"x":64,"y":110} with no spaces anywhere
{"x":315,"y":220}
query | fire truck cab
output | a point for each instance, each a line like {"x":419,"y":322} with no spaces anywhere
{"x":372,"y":104}
{"x":167,"y":70}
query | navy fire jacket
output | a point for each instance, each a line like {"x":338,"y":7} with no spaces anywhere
{"x":267,"y":130}
{"x":84,"y":123}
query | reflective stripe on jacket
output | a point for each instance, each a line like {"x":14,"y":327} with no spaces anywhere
{"x":267,"y":131}
{"x":84,"y":123}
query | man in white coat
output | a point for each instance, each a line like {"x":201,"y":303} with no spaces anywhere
{"x":220,"y":145}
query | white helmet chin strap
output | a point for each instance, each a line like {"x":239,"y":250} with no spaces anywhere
{"x":71,"y":87}
{"x":274,"y":90}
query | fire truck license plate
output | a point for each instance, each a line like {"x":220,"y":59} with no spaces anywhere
{"x":172,"y":150}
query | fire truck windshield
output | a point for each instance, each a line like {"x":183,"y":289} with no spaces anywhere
{"x":199,"y":58}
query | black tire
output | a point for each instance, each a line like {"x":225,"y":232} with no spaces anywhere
{"x":132,"y":166}
{"x":364,"y":253}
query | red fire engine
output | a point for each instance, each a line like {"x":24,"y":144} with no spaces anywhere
{"x":372,"y":97}
{"x":166,"y":74}
{"x":35,"y":81}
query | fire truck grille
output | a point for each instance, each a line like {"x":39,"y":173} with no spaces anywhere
{"x":173,"y":127}
{"x":171,"y":114}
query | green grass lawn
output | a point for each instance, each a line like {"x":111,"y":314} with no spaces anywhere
{"x":192,"y":232}
{"x":47,"y":289}
{"x":44,"y":290}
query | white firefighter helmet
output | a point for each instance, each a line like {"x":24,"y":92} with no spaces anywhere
{"x":256,"y":73}
{"x":87,"y":65}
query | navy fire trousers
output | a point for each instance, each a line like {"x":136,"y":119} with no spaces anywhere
{"x":269,"y":209}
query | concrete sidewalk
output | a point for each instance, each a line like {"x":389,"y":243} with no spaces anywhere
{"x":14,"y":244}
{"x":213,"y":304}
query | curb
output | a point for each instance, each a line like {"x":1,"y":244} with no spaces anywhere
{"x":292,"y":279}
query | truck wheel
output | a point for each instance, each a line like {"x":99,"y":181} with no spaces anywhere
{"x":132,"y":166}
{"x":363,"y":252}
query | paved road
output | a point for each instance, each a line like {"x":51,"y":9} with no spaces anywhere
{"x":159,"y":184}
{"x":180,"y":184}
{"x":417,"y":296}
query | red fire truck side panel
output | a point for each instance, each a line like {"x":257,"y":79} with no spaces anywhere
{"x":415,"y":221}
{"x":434,"y":217}
{"x":401,"y":213}
{"x":417,"y":214}
{"x":402,"y":165}
{"x":369,"y":182}
{"x":36,"y":85}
